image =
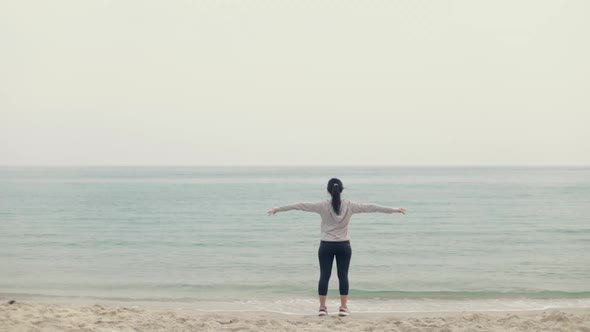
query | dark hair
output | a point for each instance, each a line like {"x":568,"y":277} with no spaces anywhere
{"x":335,"y":187}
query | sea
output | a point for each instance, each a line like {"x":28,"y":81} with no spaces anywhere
{"x":199,"y":238}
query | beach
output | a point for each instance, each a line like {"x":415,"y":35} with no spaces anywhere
{"x":192,"y":249}
{"x":60,"y":317}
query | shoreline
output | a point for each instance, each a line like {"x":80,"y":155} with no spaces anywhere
{"x":307,"y":306}
{"x":35,"y":316}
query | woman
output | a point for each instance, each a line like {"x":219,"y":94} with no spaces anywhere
{"x":335,"y":214}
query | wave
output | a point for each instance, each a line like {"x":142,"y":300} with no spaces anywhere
{"x":468,"y":295}
{"x":359,"y":294}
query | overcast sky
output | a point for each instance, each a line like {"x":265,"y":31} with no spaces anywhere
{"x":307,"y":82}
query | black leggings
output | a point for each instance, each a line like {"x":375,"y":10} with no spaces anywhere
{"x":326,"y":253}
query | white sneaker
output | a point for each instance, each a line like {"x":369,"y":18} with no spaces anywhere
{"x":323,"y":311}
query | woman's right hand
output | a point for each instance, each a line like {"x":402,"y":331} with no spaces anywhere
{"x":271,"y":212}
{"x":402,"y":210}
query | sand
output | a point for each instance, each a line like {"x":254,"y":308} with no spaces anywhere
{"x":59,"y":317}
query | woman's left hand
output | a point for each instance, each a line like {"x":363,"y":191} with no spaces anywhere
{"x":402,"y":210}
{"x":271,"y":212}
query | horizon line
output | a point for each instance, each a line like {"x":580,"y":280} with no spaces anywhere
{"x":292,"y":166}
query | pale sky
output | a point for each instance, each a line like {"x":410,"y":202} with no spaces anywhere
{"x":295,"y":82}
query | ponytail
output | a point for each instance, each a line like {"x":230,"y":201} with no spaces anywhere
{"x":335,"y":188}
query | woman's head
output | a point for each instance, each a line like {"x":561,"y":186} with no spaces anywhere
{"x":335,"y":187}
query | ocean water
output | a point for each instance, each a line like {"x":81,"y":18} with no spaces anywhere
{"x":478,"y":238}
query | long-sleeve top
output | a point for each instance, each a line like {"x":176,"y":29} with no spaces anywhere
{"x":335,"y":227}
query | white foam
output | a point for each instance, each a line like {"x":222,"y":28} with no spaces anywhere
{"x":310,"y":306}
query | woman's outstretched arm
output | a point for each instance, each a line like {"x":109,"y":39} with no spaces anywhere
{"x":308,"y":207}
{"x":368,"y":208}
